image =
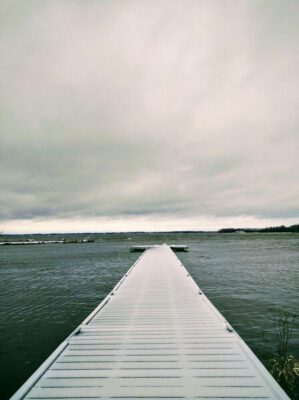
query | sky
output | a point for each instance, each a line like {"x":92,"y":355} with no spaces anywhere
{"x":148,"y":115}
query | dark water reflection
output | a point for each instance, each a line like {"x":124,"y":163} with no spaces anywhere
{"x":47,"y":290}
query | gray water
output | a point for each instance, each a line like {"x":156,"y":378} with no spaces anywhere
{"x":47,"y":290}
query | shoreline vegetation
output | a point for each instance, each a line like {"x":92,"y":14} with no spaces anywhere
{"x":270,"y":229}
{"x":71,"y":238}
{"x":284,"y":367}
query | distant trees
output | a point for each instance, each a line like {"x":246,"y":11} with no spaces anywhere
{"x":281,"y":228}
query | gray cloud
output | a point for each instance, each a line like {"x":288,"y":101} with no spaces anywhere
{"x":139,"y":108}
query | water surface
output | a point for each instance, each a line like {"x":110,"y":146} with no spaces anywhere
{"x":47,"y":290}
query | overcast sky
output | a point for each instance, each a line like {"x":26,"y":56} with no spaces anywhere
{"x":148,"y":114}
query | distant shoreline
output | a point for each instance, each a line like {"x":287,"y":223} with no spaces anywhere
{"x":271,"y":229}
{"x":73,"y":238}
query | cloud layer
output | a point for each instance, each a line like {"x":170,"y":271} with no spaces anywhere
{"x":143,"y":109}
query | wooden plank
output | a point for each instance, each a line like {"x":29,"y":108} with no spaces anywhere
{"x":187,"y":390}
{"x":220,"y":381}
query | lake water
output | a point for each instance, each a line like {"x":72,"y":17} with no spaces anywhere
{"x":47,"y":290}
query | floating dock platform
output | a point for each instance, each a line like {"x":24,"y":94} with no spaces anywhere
{"x":155,"y":336}
{"x":174,"y":247}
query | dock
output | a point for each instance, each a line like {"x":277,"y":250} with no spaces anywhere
{"x":155,"y":336}
{"x":174,"y":247}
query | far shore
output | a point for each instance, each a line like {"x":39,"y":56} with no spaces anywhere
{"x":73,"y":238}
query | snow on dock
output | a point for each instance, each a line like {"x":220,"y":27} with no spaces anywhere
{"x":155,"y":336}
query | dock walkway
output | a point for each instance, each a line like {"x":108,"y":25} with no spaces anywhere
{"x":155,"y":336}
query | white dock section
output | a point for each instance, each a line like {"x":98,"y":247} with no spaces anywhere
{"x":155,"y":336}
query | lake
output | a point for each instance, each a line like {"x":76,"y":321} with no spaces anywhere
{"x":47,"y":290}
